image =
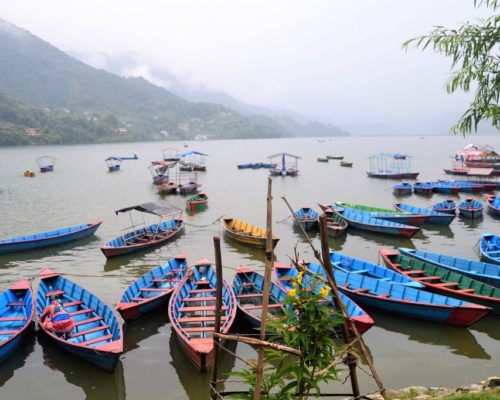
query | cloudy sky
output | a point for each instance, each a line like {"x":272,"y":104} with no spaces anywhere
{"x":334,"y":60}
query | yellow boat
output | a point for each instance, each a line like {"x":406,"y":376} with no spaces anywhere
{"x":246,"y":233}
{"x":29,"y":174}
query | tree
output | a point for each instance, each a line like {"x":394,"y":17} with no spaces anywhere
{"x":474,"y":50}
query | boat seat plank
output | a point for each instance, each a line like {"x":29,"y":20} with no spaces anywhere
{"x":13,"y":332}
{"x":247,"y":284}
{"x":359,"y":271}
{"x":4,"y":319}
{"x":16,"y":303}
{"x":88,"y":321}
{"x":165,"y":280}
{"x":205,"y":282}
{"x":97,"y":340}
{"x":257,"y":307}
{"x":86,"y":332}
{"x":73,"y":303}
{"x":139,"y":299}
{"x":187,"y":320}
{"x":428,"y":278}
{"x":155,"y":289}
{"x":384,"y":296}
{"x":196,"y":299}
{"x":200,"y":329}
{"x":447,"y":284}
{"x":79,"y":312}
{"x":205,"y":308}
{"x":362,"y":290}
{"x":195,"y":291}
{"x":54,"y":293}
{"x":249,"y":295}
{"x":416,"y":271}
{"x":465,"y":291}
{"x":285,"y":278}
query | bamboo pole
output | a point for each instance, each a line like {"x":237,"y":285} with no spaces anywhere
{"x":218,"y":306}
{"x":258,"y":342}
{"x":333,"y":285}
{"x":266,"y":288}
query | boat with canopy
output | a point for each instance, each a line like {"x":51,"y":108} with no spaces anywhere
{"x":114,"y":162}
{"x":391,"y":166}
{"x":192,"y":160}
{"x":46,"y":163}
{"x":285,"y":169}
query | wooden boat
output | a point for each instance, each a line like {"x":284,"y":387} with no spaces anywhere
{"x":346,"y":164}
{"x":197,"y":201}
{"x":447,"y":206}
{"x":168,"y":187}
{"x":244,"y":166}
{"x":29,"y":174}
{"x":477,"y":270}
{"x":152,"y":290}
{"x":442,"y":280}
{"x":488,"y":186}
{"x":307,"y":217}
{"x":361,"y":220}
{"x":489,"y":246}
{"x":405,"y":301}
{"x":493,"y":204}
{"x":335,"y":157}
{"x":147,"y":236}
{"x":285,"y":168}
{"x":433,"y":217}
{"x":403,"y":189}
{"x":97,"y":336}
{"x":188,"y":187}
{"x":362,"y":267}
{"x":471,"y":208}
{"x":283,"y":274}
{"x":245,"y":233}
{"x":336,"y":225}
{"x":248,"y":287}
{"x":424,"y":188}
{"x":466,"y":186}
{"x":386,"y":214}
{"x":393,"y":175}
{"x":191,"y":160}
{"x":322,"y":159}
{"x":114,"y":162}
{"x":51,"y":238}
{"x":446,"y":188}
{"x":17,"y":310}
{"x":46,"y":163}
{"x":191,"y":311}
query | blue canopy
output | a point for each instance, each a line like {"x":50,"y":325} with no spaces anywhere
{"x":190,"y":152}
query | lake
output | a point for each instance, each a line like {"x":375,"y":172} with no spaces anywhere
{"x":406,"y":352}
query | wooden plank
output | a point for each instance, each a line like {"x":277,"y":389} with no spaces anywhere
{"x":362,"y":290}
{"x":139,"y":298}
{"x":79,"y":312}
{"x":97,"y":340}
{"x":8,"y":332}
{"x":206,"y":308}
{"x":428,"y":278}
{"x":187,"y":320}
{"x":196,"y":299}
{"x":16,"y":303}
{"x":165,"y":280}
{"x":155,"y":290}
{"x":54,"y":293}
{"x":415,"y":271}
{"x":73,"y":303}
{"x":88,"y":321}
{"x":447,"y":284}
{"x":195,"y":291}
{"x":96,"y":329}
{"x":199,"y":329}
{"x":465,"y":291}
{"x":256,"y":307}
{"x":4,"y":319}
{"x":249,"y":295}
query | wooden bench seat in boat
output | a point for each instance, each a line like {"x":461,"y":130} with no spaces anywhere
{"x":91,"y":330}
{"x":384,"y":296}
{"x":205,"y":282}
{"x":73,"y":303}
{"x":54,"y":293}
{"x":200,"y":329}
{"x":428,"y":278}
{"x":139,"y":298}
{"x":165,"y":280}
{"x":465,"y":291}
{"x":8,"y":332}
{"x":16,"y":303}
{"x":204,"y":308}
{"x":257,"y":307}
{"x":249,"y":295}
{"x":155,"y":290}
{"x":194,"y":291}
{"x":88,"y":321}
{"x":4,"y":319}
{"x":97,"y":340}
{"x":79,"y":312}
{"x":196,"y":299}
{"x":447,"y":284}
{"x":362,"y":290}
{"x":188,"y":320}
{"x":247,"y":284}
{"x":416,"y":271}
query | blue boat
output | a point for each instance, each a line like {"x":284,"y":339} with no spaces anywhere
{"x":362,"y":267}
{"x":447,"y":206}
{"x":46,"y":163}
{"x":446,"y":188}
{"x":147,"y":236}
{"x":152,"y":290}
{"x":466,"y":186}
{"x":493,"y":205}
{"x":248,"y":287}
{"x":403,"y":300}
{"x":471,"y":208}
{"x":17,"y":310}
{"x":283,"y":274}
{"x":424,"y":188}
{"x":114,"y":162}
{"x":97,"y":336}
{"x":307,"y":217}
{"x":490,"y":247}
{"x":433,"y":216}
{"x":484,"y":272}
{"x":244,"y":166}
{"x":403,"y":189}
{"x":52,"y":238}
{"x":362,"y":220}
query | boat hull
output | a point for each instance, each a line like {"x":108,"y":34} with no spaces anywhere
{"x":471,"y":213}
{"x":388,"y":230}
{"x":14,"y":247}
{"x":490,"y":248}
{"x":242,"y":237}
{"x":436,"y":219}
{"x":407,"y":175}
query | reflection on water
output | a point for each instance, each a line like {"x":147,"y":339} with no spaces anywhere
{"x":144,"y":328}
{"x":459,"y":340}
{"x":384,"y":240}
{"x":17,"y":359}
{"x":96,"y":383}
{"x":196,"y":384}
{"x":488,"y":325}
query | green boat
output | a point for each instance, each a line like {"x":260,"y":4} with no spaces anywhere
{"x":197,"y":202}
{"x":322,"y":159}
{"x":406,"y":217}
{"x":335,"y":157}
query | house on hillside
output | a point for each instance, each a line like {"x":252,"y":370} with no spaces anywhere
{"x":32,"y":132}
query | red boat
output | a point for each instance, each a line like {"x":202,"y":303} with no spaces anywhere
{"x":191,"y":311}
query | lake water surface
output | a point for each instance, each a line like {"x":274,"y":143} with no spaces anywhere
{"x":406,"y":352}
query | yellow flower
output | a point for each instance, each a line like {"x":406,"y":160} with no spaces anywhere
{"x":324,"y":291}
{"x":299,"y":277}
{"x":292,"y":292}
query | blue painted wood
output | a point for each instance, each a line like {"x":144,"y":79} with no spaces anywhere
{"x":433,"y":216}
{"x":17,"y":310}
{"x":362,"y":267}
{"x":488,"y":273}
{"x":471,"y":208}
{"x":490,"y":247}
{"x":152,"y":290}
{"x":402,"y":300}
{"x":493,"y":204}
{"x":307,"y":217}
{"x":447,"y":206}
{"x":362,"y":220}
{"x":403,"y":188}
{"x":466,"y":186}
{"x":98,"y":336}
{"x":52,"y":238}
{"x":423,"y":188}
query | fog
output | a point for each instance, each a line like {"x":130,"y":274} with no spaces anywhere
{"x":335,"y":61}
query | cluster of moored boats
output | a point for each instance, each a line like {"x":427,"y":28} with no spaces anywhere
{"x":445,"y":187}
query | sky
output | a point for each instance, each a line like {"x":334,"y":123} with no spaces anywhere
{"x":337,"y":61}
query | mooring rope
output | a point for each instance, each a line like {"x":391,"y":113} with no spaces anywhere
{"x":283,"y":220}
{"x":204,"y":226}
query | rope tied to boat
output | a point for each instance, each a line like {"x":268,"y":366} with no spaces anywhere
{"x":204,"y":226}
{"x":283,"y":220}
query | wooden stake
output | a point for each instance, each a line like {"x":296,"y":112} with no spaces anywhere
{"x":255,"y":341}
{"x":218,"y":307}
{"x":266,"y":288}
